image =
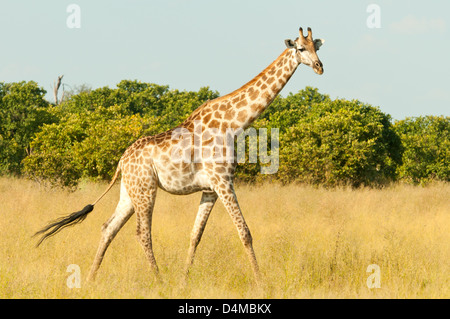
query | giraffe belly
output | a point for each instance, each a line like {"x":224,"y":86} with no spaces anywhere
{"x":181,"y":181}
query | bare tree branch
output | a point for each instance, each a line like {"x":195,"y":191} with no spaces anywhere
{"x":56,"y":88}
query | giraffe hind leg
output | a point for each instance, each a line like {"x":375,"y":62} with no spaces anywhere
{"x":144,"y":203}
{"x":122,"y":214}
{"x":206,"y":204}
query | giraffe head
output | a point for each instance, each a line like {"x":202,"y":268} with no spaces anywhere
{"x":306,"y":50}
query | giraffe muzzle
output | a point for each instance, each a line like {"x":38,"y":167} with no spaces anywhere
{"x":318,"y":67}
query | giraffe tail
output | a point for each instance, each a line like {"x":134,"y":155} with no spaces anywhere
{"x":77,"y":217}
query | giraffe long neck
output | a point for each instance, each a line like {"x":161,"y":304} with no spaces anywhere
{"x":241,"y":107}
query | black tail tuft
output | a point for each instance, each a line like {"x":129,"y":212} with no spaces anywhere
{"x":63,"y":222}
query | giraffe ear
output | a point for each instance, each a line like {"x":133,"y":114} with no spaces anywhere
{"x":318,"y":43}
{"x":290,"y":44}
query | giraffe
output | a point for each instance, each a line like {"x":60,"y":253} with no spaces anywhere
{"x":149,"y":163}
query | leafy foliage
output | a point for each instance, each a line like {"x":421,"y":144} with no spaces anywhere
{"x":427,"y":149}
{"x":23,"y":110}
{"x":96,"y":127}
{"x":83,"y":145}
{"x":340,"y":142}
{"x":322,"y":141}
{"x":331,"y":142}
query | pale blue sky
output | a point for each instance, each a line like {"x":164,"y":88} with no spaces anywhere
{"x":402,"y":67}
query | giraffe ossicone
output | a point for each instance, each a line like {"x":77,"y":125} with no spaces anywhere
{"x":196,"y":156}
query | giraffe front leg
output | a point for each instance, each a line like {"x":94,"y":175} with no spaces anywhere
{"x":206,"y":204}
{"x":228,"y":197}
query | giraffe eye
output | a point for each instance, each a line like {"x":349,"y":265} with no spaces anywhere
{"x":301,"y":49}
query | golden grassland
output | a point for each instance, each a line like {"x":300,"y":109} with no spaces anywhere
{"x":310,"y":243}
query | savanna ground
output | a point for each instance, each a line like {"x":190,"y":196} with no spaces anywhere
{"x":310,"y":243}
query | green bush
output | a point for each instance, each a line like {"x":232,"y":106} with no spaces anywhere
{"x":322,"y":141}
{"x":427,"y":149}
{"x":92,"y":132}
{"x":282,"y":114}
{"x":23,"y":110}
{"x":87,"y":145}
{"x":340,"y":142}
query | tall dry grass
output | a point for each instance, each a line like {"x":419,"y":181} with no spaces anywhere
{"x":310,"y":243}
